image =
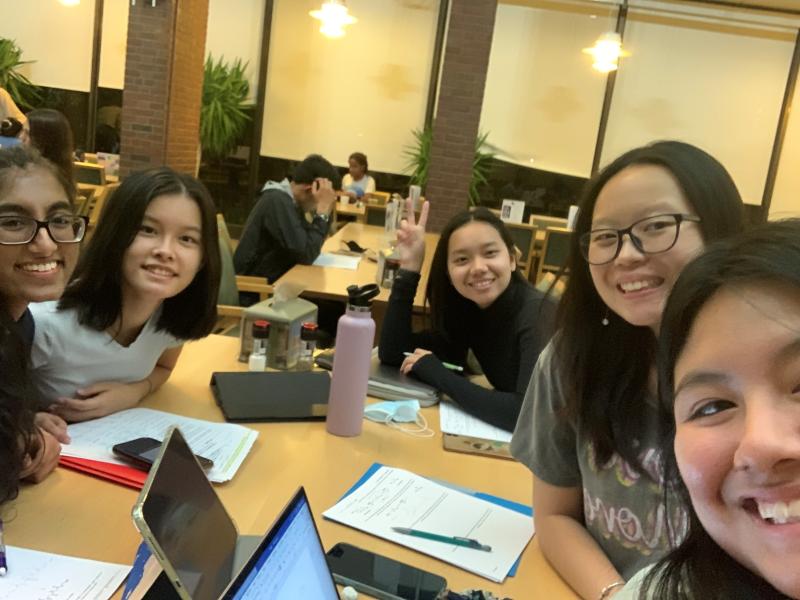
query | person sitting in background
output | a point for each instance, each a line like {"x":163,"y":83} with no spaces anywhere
{"x":277,"y":235}
{"x":50,"y":133}
{"x":729,"y":404}
{"x":356,"y":182}
{"x":39,"y":237}
{"x":479,"y":301}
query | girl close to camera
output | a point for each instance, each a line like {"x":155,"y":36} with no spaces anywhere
{"x":588,"y":426}
{"x":147,"y":282}
{"x":729,"y":388}
{"x":479,"y":301}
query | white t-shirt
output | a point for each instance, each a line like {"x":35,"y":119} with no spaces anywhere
{"x":366,"y":183}
{"x":67,"y":356}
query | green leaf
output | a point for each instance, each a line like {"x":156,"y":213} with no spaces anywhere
{"x":25,"y":94}
{"x":222,"y":114}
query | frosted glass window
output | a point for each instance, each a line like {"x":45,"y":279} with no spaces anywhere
{"x":363,"y":92}
{"x":543,"y":100}
{"x":786,"y":194}
{"x":715,"y":84}
{"x":114,"y":43}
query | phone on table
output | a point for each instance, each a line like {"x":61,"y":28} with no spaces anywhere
{"x":382,"y":577}
{"x":144,"y":450}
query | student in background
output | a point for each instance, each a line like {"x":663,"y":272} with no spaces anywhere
{"x":729,"y":383}
{"x":50,"y":133}
{"x":39,"y":237}
{"x":356,"y":182}
{"x":147,"y":282}
{"x":588,"y":425}
{"x":277,"y":235}
{"x":479,"y":301}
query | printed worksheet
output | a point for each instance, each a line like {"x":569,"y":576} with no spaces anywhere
{"x":226,"y":444}
{"x":454,"y":420}
{"x":34,"y":575}
{"x":398,"y":498}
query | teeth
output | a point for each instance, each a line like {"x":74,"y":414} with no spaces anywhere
{"x":482,"y":284}
{"x":159,"y":271}
{"x":780,"y":512}
{"x":633,"y":286}
{"x":40,"y":267}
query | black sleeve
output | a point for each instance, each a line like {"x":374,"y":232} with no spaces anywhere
{"x":497,"y":408}
{"x":301,"y":239}
{"x":396,"y":333}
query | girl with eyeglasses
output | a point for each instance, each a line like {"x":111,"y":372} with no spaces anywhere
{"x":147,"y":282}
{"x":729,"y":403}
{"x":39,"y":237}
{"x":588,"y":423}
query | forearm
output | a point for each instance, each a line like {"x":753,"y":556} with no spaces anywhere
{"x":575,"y":555}
{"x":397,"y":335}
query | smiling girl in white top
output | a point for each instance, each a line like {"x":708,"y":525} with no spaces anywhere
{"x":147,"y":281}
{"x":729,"y":390}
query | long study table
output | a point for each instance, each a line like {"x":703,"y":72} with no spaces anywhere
{"x":77,"y":514}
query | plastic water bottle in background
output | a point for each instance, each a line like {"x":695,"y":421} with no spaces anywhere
{"x":355,"y":335}
{"x":258,"y":356}
{"x":308,"y":341}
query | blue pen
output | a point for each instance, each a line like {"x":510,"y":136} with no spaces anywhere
{"x":446,"y":365}
{"x":3,"y":566}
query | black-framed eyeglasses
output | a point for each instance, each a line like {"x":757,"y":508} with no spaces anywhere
{"x":650,"y":236}
{"x":63,"y":229}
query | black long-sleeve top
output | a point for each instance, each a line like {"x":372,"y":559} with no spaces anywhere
{"x":506,"y":338}
{"x":276,"y":237}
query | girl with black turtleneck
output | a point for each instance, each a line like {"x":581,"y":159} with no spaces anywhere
{"x":479,"y":301}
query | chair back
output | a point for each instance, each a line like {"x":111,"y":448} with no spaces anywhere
{"x":228,"y":290}
{"x":524,"y":237}
{"x":375,"y":215}
{"x":555,"y":250}
{"x":85,"y":172}
{"x":545,"y":221}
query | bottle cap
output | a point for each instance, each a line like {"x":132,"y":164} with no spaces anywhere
{"x":261,"y":329}
{"x":308,"y":332}
{"x":362,"y":296}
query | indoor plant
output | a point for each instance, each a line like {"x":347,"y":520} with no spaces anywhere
{"x":223,"y":113}
{"x":24,"y":93}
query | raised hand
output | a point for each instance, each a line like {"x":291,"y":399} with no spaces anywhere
{"x":411,"y":238}
{"x":324,"y":195}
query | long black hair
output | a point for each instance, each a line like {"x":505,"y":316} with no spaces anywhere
{"x":51,"y":134}
{"x":698,"y":567}
{"x":448,"y":307}
{"x":95,"y":289}
{"x":19,"y":437}
{"x":605,"y":369}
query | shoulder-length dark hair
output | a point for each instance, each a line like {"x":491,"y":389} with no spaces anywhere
{"x":51,"y":134}
{"x":448,"y":307}
{"x":95,"y":289}
{"x":698,"y":567}
{"x":605,"y":369}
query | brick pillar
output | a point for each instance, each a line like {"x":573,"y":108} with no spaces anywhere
{"x":466,"y":59}
{"x":163,"y":85}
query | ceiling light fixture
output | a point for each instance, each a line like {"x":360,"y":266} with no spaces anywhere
{"x":334,"y":16}
{"x":70,"y":2}
{"x":607,"y":51}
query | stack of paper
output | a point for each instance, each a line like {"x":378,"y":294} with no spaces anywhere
{"x":33,"y":574}
{"x":391,"y":497}
{"x":90,"y":449}
{"x":456,"y":421}
{"x":338,"y":261}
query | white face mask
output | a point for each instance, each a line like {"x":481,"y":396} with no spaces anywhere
{"x":393,"y":413}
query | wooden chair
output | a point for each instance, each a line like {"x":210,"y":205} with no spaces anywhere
{"x":375,"y":215}
{"x":545,"y":221}
{"x":229,"y":312}
{"x":84,"y":198}
{"x":380,"y":197}
{"x":524,"y":239}
{"x":554,"y":251}
{"x":86,"y":172}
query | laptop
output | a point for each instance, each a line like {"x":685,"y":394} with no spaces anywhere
{"x":289,"y":563}
{"x":195,"y":541}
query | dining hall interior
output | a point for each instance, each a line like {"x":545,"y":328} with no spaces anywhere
{"x":479,"y":102}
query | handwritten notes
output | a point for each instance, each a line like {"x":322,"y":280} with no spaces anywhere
{"x":37,"y":575}
{"x":224,"y":443}
{"x":454,"y":420}
{"x":396,"y":498}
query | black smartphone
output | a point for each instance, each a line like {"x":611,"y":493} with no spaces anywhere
{"x":382,"y":577}
{"x":143,"y":452}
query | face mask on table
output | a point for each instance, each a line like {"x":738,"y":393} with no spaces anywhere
{"x":395,"y":412}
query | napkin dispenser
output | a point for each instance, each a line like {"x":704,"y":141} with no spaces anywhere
{"x":286,"y":318}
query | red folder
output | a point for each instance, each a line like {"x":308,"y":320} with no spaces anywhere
{"x":128,"y":476}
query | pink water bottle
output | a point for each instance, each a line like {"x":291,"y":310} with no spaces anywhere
{"x":355,"y":335}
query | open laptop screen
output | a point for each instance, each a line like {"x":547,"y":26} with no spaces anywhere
{"x":290,"y":562}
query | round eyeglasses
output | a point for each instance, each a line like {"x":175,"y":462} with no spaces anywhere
{"x":63,"y":229}
{"x":650,"y":236}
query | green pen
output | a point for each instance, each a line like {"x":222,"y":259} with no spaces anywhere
{"x":455,"y":540}
{"x":446,"y":365}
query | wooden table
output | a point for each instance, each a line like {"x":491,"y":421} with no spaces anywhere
{"x":352,"y":210}
{"x":76,"y":514}
{"x":328,"y":282}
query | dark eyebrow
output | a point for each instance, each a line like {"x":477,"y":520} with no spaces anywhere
{"x":194,"y":228}
{"x":701,"y":378}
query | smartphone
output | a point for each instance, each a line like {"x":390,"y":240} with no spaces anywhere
{"x":382,"y":577}
{"x":143,"y":451}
